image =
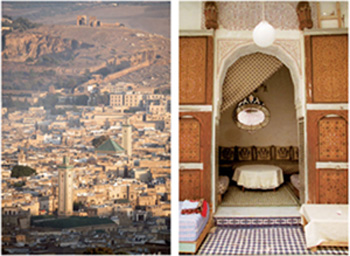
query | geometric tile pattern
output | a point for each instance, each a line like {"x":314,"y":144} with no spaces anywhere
{"x":245,"y":15}
{"x":245,"y":75}
{"x":190,"y":142}
{"x":193,"y":64}
{"x":239,"y":222}
{"x":190,"y":184}
{"x":333,"y":187}
{"x":262,"y":241}
{"x":330,"y":69}
{"x":333,"y":139}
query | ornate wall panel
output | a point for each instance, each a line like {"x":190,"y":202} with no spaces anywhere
{"x":188,"y":126}
{"x":329,"y":68}
{"x":333,"y":187}
{"x":333,"y":139}
{"x":246,"y":15}
{"x":314,"y":119}
{"x":190,"y":184}
{"x":190,"y":141}
{"x":196,"y":55}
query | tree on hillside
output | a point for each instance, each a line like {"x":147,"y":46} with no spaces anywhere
{"x":81,"y":100}
{"x":22,"y":171}
{"x":23,"y":24}
{"x":49,"y":102}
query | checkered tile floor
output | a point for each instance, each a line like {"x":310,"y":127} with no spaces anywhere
{"x":262,"y":241}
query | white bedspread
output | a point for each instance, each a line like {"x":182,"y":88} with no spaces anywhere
{"x":326,"y":222}
{"x":191,"y":225}
{"x":258,"y":176}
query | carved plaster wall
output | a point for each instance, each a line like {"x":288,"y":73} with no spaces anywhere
{"x":281,"y":15}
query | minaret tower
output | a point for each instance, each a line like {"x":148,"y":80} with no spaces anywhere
{"x":65,"y":188}
{"x":127,"y":139}
{"x":21,"y":158}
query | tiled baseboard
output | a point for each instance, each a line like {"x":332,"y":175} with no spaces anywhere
{"x":257,"y":221}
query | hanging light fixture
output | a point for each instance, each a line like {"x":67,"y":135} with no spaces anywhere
{"x":264,"y":33}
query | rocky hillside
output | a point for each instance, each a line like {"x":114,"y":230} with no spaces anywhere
{"x":29,"y":46}
{"x":69,"y":55}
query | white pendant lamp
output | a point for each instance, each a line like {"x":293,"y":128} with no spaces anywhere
{"x":264,"y":34}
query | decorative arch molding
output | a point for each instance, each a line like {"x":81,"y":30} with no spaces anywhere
{"x":288,"y":51}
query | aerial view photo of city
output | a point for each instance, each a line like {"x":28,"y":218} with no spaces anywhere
{"x":85,"y":127}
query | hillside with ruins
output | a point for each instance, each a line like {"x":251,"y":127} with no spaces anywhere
{"x":88,"y":50}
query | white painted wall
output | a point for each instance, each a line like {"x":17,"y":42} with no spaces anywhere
{"x":190,"y":15}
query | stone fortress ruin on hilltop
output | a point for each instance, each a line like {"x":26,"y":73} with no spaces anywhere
{"x":82,"y":20}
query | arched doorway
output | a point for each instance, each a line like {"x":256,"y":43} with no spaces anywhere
{"x":297,"y":81}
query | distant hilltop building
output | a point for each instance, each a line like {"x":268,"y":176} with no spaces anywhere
{"x":82,"y":20}
{"x":65,"y":188}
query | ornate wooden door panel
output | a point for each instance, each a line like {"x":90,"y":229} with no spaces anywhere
{"x":196,"y":58}
{"x":195,"y":137}
{"x":332,"y":139}
{"x":333,"y":186}
{"x":327,"y":143}
{"x":190,"y":184}
{"x":195,"y":88}
{"x":190,"y":141}
{"x":329,"y":68}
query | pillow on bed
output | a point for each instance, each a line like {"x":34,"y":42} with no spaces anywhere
{"x":200,"y":206}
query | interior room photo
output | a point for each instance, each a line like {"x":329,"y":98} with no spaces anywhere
{"x":263,"y":128}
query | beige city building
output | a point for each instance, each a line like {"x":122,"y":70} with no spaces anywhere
{"x":128,"y":100}
{"x":65,"y":188}
{"x":116,"y":100}
{"x":132,"y":100}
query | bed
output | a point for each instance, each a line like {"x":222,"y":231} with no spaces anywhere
{"x":193,"y":229}
{"x":325,"y":225}
{"x":258,"y":176}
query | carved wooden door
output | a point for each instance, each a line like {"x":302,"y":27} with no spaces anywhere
{"x":327,"y":118}
{"x":196,"y":64}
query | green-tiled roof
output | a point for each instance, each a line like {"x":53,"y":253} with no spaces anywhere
{"x":109,"y":146}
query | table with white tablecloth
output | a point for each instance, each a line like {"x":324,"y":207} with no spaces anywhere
{"x":258,"y":176}
{"x":325,"y":223}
